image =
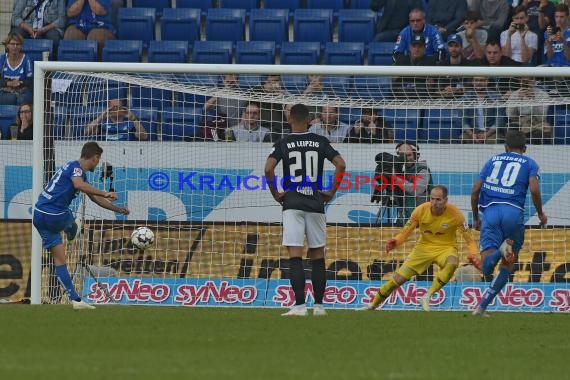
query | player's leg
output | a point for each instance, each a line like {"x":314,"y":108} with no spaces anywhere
{"x":514,"y":224}
{"x":293,"y":239}
{"x":491,"y":238}
{"x":416,"y":263}
{"x":447,"y":262}
{"x":50,"y":227}
{"x":315,"y":229}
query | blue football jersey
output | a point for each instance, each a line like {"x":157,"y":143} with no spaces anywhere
{"x":60,"y":192}
{"x":506,"y":179}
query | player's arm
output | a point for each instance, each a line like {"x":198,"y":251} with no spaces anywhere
{"x":105,"y":203}
{"x":340,"y":166}
{"x":81,"y":185}
{"x":270,"y":166}
{"x":537,"y":199}
{"x":475,"y":191}
{"x":405,"y":232}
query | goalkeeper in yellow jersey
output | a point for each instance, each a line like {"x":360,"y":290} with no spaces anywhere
{"x":439,"y":223}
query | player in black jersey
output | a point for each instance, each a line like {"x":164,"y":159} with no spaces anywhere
{"x":303,"y":199}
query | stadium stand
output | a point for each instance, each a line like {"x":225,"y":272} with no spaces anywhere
{"x":212,"y":52}
{"x":380,"y":53}
{"x":168,"y":51}
{"x":255,"y":52}
{"x":300,"y":53}
{"x":356,"y":25}
{"x":7,"y":118}
{"x":34,"y":48}
{"x":159,"y":5}
{"x":203,"y":5}
{"x":313,"y":25}
{"x":180,"y":124}
{"x":122,"y":51}
{"x":442,"y":125}
{"x":269,"y":25}
{"x":405,"y":123}
{"x":344,"y":53}
{"x":136,"y":24}
{"x":225,"y":24}
{"x":77,"y":50}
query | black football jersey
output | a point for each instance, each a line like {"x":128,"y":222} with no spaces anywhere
{"x":303,"y":156}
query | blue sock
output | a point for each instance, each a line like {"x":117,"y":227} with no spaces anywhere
{"x":489,"y":262}
{"x":498,"y":283}
{"x":65,"y":280}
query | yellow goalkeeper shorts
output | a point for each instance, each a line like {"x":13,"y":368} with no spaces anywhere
{"x":422,"y":257}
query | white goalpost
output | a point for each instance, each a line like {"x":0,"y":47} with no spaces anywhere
{"x":194,"y":176}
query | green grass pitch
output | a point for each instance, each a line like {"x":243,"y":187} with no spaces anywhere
{"x":130,"y":342}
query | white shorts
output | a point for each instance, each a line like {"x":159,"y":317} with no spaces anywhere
{"x":297,"y":223}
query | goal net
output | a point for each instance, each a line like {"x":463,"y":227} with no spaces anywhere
{"x":185,"y":148}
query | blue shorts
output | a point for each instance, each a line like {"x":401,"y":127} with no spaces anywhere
{"x":499,"y":222}
{"x":50,"y":227}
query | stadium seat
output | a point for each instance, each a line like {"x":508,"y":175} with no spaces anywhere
{"x":35,"y":48}
{"x":147,"y":97}
{"x":255,"y":52}
{"x":180,"y":24}
{"x":77,"y":50}
{"x":239,"y":4}
{"x":344,"y":53}
{"x":58,"y":123}
{"x":79,"y":117}
{"x":356,"y":25}
{"x":212,"y":52}
{"x":349,"y":115}
{"x":67,"y":89}
{"x":300,"y":53}
{"x":100,"y":92}
{"x":249,"y":81}
{"x":360,"y":4}
{"x":168,"y":52}
{"x":294,"y":84}
{"x":159,"y":5}
{"x":225,"y":24}
{"x":405,"y":123}
{"x":337,"y":86}
{"x":334,"y":5}
{"x":291,"y":5}
{"x":180,"y":124}
{"x":380,"y":53}
{"x":203,"y":5}
{"x":442,"y":125}
{"x":269,"y":25}
{"x":122,"y":51}
{"x":372,"y":87}
{"x":561,"y":124}
{"x":7,"y":118}
{"x":136,"y":24}
{"x":313,"y":25}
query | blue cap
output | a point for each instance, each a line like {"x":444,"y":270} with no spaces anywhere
{"x":455,"y":38}
{"x":418,"y":39}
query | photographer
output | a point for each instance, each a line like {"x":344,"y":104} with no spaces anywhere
{"x":416,"y":191}
{"x":117,"y":123}
{"x":557,"y":49}
{"x":371,"y":128}
{"x":519,"y":42}
{"x":417,"y":185}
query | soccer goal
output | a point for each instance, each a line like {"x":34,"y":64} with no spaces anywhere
{"x":190,"y":166}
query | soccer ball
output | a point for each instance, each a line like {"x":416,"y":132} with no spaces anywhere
{"x":142,"y":238}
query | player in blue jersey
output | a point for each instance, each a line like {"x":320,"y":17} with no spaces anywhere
{"x":500,"y":194}
{"x":52,"y":214}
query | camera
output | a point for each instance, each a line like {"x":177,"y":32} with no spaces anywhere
{"x":388,"y":165}
{"x":519,"y":26}
{"x":553,"y":30}
{"x":106,"y":171}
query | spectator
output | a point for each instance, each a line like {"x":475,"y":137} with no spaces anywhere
{"x":91,"y":20}
{"x":117,"y":123}
{"x":371,"y":128}
{"x":433,"y":42}
{"x":286,"y":125}
{"x":41,"y":20}
{"x":446,"y":15}
{"x":394,"y":17}
{"x":271,"y":113}
{"x":540,"y":16}
{"x":225,"y":111}
{"x":474,"y":36}
{"x":518,"y":42}
{"x":416,"y":191}
{"x":249,"y":129}
{"x":493,"y":13}
{"x":315,"y":85}
{"x":556,"y":49}
{"x":16,"y":83}
{"x":23,"y":127}
{"x":481,"y":124}
{"x":494,"y":57}
{"x":531,"y":120}
{"x":413,"y":87}
{"x":330,"y":126}
{"x":453,"y":86}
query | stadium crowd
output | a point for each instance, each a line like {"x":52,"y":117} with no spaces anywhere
{"x":419,"y":32}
